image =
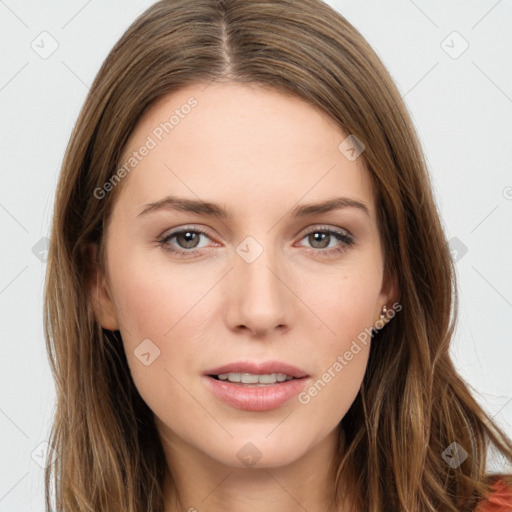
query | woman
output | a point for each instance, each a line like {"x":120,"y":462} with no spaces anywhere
{"x":249,"y":293}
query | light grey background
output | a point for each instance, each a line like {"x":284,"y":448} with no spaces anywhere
{"x":461,"y":106}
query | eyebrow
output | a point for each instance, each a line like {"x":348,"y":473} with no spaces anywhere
{"x":218,"y":211}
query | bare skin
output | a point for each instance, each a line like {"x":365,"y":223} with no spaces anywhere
{"x":259,"y":154}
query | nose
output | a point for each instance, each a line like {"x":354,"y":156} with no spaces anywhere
{"x":258,"y":295}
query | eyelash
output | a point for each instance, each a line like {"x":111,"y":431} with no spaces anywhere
{"x":346,"y":239}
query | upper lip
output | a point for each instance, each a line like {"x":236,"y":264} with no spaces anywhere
{"x":253,"y":367}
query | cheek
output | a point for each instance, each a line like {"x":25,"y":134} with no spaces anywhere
{"x":152,"y":301}
{"x":164,"y":310}
{"x":345,"y":304}
{"x":346,"y":308}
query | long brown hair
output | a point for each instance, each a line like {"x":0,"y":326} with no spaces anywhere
{"x":412,"y":404}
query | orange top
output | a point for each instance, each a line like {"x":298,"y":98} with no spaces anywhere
{"x":499,"y":501}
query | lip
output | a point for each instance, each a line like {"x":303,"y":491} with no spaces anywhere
{"x":253,"y":397}
{"x":259,"y":368}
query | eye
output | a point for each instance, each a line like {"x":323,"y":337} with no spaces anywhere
{"x":187,"y":239}
{"x":321,"y":238}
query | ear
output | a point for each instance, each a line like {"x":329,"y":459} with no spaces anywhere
{"x":390,"y":293}
{"x":99,"y":295}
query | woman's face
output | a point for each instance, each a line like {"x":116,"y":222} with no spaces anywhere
{"x":272,"y":281}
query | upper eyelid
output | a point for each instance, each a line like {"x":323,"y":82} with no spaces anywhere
{"x":176,"y":231}
{"x":321,"y":227}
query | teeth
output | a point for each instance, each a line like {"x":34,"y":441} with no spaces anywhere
{"x":251,"y":378}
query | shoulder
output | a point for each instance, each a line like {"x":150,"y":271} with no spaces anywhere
{"x":500,"y":499}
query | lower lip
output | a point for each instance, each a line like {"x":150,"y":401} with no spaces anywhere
{"x":255,"y":398}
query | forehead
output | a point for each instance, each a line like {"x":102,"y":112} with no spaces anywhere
{"x":243,"y":145}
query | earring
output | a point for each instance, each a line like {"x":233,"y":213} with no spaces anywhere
{"x":383,"y":312}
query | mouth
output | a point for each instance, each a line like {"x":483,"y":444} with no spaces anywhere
{"x":254,"y":380}
{"x":256,"y":386}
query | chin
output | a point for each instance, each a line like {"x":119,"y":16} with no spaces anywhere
{"x":260,"y":451}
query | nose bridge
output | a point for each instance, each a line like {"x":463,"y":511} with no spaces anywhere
{"x":258,"y":297}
